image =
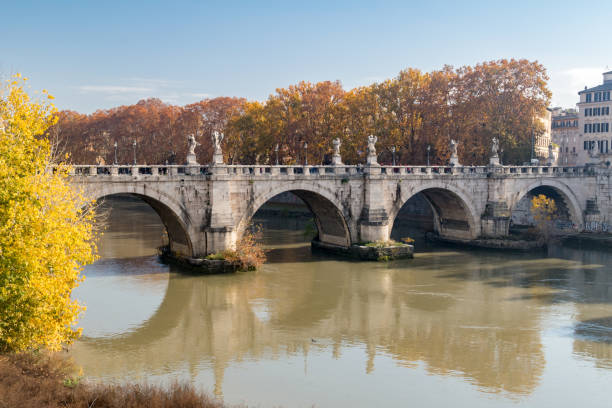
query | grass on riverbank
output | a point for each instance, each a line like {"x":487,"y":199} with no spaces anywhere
{"x":40,"y":380}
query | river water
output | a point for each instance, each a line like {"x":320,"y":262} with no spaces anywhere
{"x":451,"y":327}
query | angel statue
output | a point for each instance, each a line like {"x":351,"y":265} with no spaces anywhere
{"x":217,"y":138}
{"x":192,"y":144}
{"x":453,"y":147}
{"x":495,"y":146}
{"x":336,"y":142}
{"x":372,"y":145}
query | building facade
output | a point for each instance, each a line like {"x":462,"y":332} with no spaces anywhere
{"x":543,"y":141}
{"x":595,"y":137}
{"x":564,"y":132}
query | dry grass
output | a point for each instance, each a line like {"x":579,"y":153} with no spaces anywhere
{"x":39,"y":380}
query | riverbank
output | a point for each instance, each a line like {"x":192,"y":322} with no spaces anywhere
{"x":41,"y":380}
{"x":490,"y":243}
{"x":589,"y":240}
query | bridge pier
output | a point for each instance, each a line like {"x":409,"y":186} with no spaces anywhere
{"x":220,"y":232}
{"x":495,"y":221}
{"x":374,"y":219}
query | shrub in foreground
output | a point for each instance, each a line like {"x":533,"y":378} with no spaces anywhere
{"x":39,"y":380}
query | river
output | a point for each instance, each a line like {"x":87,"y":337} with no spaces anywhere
{"x":451,"y":327}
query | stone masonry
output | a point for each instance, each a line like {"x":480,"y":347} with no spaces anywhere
{"x":206,"y":208}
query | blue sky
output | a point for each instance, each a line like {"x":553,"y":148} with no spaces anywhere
{"x":93,"y":55}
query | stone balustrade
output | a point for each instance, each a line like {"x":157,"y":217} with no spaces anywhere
{"x":322,"y":170}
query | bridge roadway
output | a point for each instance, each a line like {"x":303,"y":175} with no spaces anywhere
{"x":207,"y":208}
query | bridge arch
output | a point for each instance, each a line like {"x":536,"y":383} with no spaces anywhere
{"x":566,"y":200}
{"x":322,"y":203}
{"x":172,"y":214}
{"x":454,"y":213}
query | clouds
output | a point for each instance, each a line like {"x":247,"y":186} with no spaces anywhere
{"x":113,"y":89}
{"x":131,"y":90}
{"x":566,"y":84}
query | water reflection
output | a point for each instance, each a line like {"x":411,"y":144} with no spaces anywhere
{"x":478,"y":317}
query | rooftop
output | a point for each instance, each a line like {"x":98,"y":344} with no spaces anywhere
{"x":606,"y":86}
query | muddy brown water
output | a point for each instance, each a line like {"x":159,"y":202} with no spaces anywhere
{"x":451,"y":327}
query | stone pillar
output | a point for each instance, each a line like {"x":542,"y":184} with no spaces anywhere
{"x":220,"y":232}
{"x":374,"y":220}
{"x":593,"y":219}
{"x":495,"y":219}
{"x":114,"y":170}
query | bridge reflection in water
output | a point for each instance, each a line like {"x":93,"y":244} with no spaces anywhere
{"x":482,"y":319}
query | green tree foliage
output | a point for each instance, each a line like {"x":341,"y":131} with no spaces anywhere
{"x":46,"y":230}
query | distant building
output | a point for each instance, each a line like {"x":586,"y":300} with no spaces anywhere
{"x":564,"y":134}
{"x":595,"y":144}
{"x":542,"y":142}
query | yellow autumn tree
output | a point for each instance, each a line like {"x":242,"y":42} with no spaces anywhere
{"x":46,"y":228}
{"x":544,"y":212}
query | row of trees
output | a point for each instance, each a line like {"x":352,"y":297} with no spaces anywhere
{"x":409,"y":112}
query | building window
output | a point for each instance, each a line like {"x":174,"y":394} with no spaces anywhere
{"x":606,"y":96}
{"x":597,"y":96}
{"x":588,"y":97}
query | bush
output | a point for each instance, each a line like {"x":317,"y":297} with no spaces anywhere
{"x":219,"y":256}
{"x":249,"y":254}
{"x":383,"y":244}
{"x":42,"y":380}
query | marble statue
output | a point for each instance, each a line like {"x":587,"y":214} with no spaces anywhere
{"x":453,"y":147}
{"x":495,"y":146}
{"x":336,"y":158}
{"x":192,"y":144}
{"x":372,"y":145}
{"x":191,"y":156}
{"x":336,"y":142}
{"x":217,"y":138}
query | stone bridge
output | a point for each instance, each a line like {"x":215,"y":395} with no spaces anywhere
{"x":207,"y":208}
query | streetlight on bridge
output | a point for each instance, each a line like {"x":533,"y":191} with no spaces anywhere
{"x":305,"y":153}
{"x":134,"y":146}
{"x":428,"y":149}
{"x":393,"y":152}
{"x":115,"y":152}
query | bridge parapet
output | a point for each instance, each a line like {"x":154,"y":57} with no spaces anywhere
{"x":326,"y":170}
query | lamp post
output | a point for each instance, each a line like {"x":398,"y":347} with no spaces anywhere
{"x":305,"y":153}
{"x":393,"y":152}
{"x":115,"y":152}
{"x":428,"y":149}
{"x":134,"y":146}
{"x":276,"y":151}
